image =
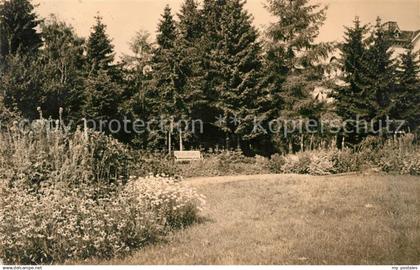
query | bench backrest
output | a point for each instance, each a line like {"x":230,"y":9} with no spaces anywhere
{"x":187,"y":155}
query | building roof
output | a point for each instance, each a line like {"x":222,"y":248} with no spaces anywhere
{"x":400,"y":37}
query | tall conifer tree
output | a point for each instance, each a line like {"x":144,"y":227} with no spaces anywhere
{"x":189,"y":51}
{"x":237,"y":59}
{"x":380,"y":76}
{"x":349,"y":101}
{"x":407,"y":98}
{"x":366,"y":98}
{"x":167,"y":83}
{"x":100,"y":51}
{"x":294,"y":61}
{"x":103,"y":91}
{"x":18,"y":23}
{"x":210,"y":15}
{"x":353,"y":62}
{"x":20,"y":75}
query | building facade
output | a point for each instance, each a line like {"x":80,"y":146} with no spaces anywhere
{"x":402,"y":39}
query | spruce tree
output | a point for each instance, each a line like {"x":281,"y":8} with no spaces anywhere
{"x":167,"y":82}
{"x":20,"y":74}
{"x":100,"y":51}
{"x":190,"y":25}
{"x":18,"y":23}
{"x":209,"y":41}
{"x":166,"y":30}
{"x":407,"y":98}
{"x":103,"y":90}
{"x":237,"y":59}
{"x":210,"y":15}
{"x":190,"y":31}
{"x":380,"y":78}
{"x":370,"y":81}
{"x":188,"y":50}
{"x":102,"y":99}
{"x":294,"y":61}
{"x":353,"y":63}
{"x":350,"y":102}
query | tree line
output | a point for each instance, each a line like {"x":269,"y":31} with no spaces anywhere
{"x":378,"y":85}
{"x":210,"y":63}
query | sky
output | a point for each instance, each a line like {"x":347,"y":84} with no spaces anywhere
{"x":125,"y":17}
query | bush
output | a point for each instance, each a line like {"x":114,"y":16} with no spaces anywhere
{"x":345,"y":161}
{"x":292,"y":164}
{"x":153,"y":163}
{"x":310,"y":162}
{"x":400,"y":156}
{"x":411,"y":165}
{"x":319,"y":162}
{"x":234,"y":157}
{"x":69,"y":197}
{"x":225,"y":163}
{"x":71,"y":224}
{"x":43,"y":155}
{"x":276,"y":163}
{"x":175,"y":204}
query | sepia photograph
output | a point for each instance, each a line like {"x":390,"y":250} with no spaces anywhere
{"x":222,"y":133}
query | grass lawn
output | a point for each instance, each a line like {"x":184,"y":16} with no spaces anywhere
{"x":291,"y":219}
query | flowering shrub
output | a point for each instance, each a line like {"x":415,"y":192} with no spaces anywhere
{"x":310,"y":162}
{"x":175,"y":204}
{"x":319,"y":162}
{"x":72,"y":224}
{"x":69,"y":197}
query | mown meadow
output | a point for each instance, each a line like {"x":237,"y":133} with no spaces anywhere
{"x":357,"y":219}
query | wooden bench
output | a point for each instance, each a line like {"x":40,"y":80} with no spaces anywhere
{"x":187,"y":156}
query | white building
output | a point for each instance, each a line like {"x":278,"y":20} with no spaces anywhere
{"x":401,"y":40}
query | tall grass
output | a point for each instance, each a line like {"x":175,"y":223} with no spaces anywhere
{"x":43,"y":155}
